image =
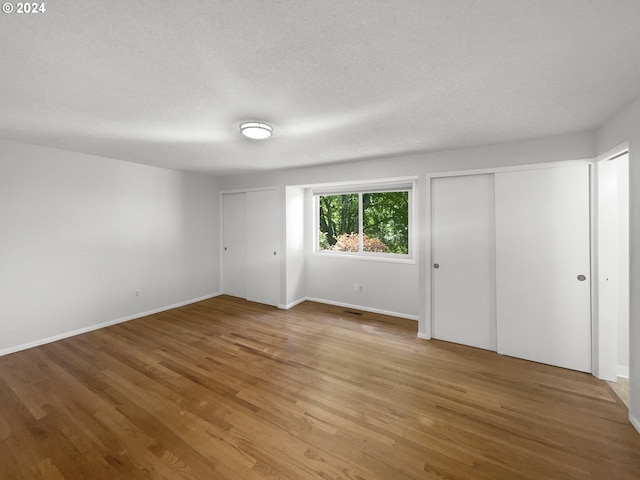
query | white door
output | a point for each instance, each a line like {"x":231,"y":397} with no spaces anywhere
{"x":234,"y":248}
{"x":542,"y":265}
{"x":263,"y":261}
{"x":464,"y":260}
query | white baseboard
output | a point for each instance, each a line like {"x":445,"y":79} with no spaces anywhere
{"x":623,"y":371}
{"x":424,"y":336}
{"x":292,"y":304}
{"x":55,"y":338}
{"x":365,"y":309}
{"x":634,"y":421}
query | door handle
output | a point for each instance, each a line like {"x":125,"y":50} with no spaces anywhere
{"x":582,"y":278}
{"x":436,"y":265}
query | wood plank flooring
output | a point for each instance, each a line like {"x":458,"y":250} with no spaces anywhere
{"x":228,"y":389}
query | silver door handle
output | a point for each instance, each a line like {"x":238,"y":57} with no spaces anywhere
{"x":436,"y":265}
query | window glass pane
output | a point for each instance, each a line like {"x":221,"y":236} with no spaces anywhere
{"x":385,"y":218}
{"x":338,"y":223}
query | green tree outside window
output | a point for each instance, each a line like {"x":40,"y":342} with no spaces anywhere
{"x":385,"y":222}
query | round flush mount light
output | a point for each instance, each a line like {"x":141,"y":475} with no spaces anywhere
{"x":256,"y":130}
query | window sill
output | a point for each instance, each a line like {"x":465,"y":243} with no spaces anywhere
{"x":406,"y":259}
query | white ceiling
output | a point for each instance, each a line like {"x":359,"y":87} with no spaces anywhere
{"x":167,"y":82}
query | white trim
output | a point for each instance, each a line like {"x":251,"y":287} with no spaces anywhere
{"x":221,"y":241}
{"x":368,"y":188}
{"x":361,"y":222}
{"x":512,"y":168}
{"x":597,"y":370}
{"x":623,"y":371}
{"x":431,"y":298}
{"x":371,"y":256}
{"x":635,"y":422}
{"x":424,"y":267}
{"x":614,"y":152}
{"x":292,"y":304}
{"x":55,"y":338}
{"x":364,"y":309}
{"x":245,"y":190}
{"x":423,"y":336}
{"x":386,"y":182}
{"x":603,"y":362}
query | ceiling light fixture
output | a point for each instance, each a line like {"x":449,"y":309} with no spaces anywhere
{"x":256,"y":130}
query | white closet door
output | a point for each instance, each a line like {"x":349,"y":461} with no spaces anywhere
{"x":263,"y":261}
{"x":234,"y":254}
{"x":464,"y":252}
{"x":542,"y":268}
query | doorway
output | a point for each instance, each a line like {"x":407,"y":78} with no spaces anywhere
{"x":613,"y":266}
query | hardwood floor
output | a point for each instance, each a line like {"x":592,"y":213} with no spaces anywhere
{"x":621,"y":388}
{"x":227,"y":389}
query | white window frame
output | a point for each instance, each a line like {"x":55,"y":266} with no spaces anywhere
{"x":360,"y":189}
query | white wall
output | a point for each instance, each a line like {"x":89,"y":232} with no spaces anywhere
{"x":295,"y":242}
{"x":400,"y":288}
{"x":625,"y":126}
{"x":623,"y":265}
{"x":605,"y":269}
{"x":80,"y":234}
{"x":549,"y":149}
{"x":390,"y":288}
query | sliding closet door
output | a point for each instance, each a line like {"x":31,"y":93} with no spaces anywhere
{"x":464,"y":260}
{"x":263,"y":262}
{"x":543,"y":267}
{"x":251,"y":265}
{"x":234,"y":253}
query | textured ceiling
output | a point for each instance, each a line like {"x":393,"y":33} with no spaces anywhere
{"x":167,"y":83}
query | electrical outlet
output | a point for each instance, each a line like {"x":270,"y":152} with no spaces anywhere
{"x":137,"y":293}
{"x":361,"y":288}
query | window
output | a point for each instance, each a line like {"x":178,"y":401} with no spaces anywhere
{"x":373,"y":222}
